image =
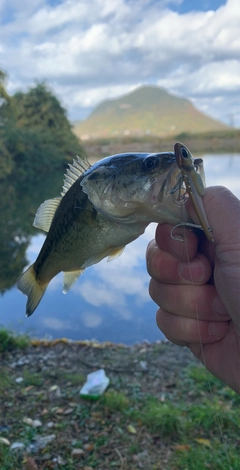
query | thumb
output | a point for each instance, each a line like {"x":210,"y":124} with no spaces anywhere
{"x":223,"y":212}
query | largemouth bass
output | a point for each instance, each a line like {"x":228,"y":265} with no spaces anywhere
{"x":102,"y":208}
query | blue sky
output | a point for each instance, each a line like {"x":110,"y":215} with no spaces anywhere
{"x":196,"y":5}
{"x":88,"y":51}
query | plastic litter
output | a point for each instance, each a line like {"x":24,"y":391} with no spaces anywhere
{"x":96,"y":384}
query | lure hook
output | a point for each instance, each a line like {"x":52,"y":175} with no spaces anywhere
{"x":183,"y":224}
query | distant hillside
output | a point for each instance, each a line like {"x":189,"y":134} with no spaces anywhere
{"x":147,"y":110}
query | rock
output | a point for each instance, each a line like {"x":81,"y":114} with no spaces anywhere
{"x":59,"y":460}
{"x":50,"y":425}
{"x":17,"y":446}
{"x":77,"y":453}
{"x":22,"y":361}
{"x":143,"y":365}
{"x":28,"y":421}
{"x":54,"y":392}
{"x":36,"y":423}
{"x":18,"y":380}
{"x":41,"y":442}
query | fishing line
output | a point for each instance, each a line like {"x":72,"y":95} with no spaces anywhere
{"x":218,"y":420}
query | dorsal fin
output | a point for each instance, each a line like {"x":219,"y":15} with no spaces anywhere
{"x":74,"y":171}
{"x":45,"y":213}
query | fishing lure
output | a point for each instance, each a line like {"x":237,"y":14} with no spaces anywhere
{"x":192,"y":175}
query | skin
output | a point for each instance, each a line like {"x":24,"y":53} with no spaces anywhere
{"x":197,"y":284}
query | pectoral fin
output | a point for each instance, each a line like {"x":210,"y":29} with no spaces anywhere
{"x":69,"y":278}
{"x":45,"y":213}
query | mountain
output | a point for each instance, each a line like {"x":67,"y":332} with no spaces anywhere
{"x":146,"y":110}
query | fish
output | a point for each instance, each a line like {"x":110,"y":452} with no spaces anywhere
{"x":194,"y":178}
{"x":101,"y":209}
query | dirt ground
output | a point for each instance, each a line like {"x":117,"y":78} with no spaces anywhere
{"x":45,"y":383}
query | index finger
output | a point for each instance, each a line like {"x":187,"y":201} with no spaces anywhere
{"x":184,"y":245}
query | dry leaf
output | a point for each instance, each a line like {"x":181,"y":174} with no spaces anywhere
{"x":5,"y":441}
{"x":203,"y":442}
{"x":30,"y":464}
{"x":182,"y":447}
{"x":131,"y":429}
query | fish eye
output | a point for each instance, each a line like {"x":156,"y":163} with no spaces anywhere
{"x":150,"y":162}
{"x":184,"y":152}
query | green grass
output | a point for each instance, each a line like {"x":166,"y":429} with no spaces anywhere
{"x":162,"y":418}
{"x":75,"y":379}
{"x":8,"y":461}
{"x":200,"y":458}
{"x":5,"y":381}
{"x":35,"y":379}
{"x":10,"y":341}
{"x":211,"y":416}
{"x":115,"y":401}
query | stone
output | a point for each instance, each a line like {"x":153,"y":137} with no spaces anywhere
{"x":17,"y":446}
{"x":77,"y":453}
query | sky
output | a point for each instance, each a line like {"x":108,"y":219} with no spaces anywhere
{"x":88,"y":51}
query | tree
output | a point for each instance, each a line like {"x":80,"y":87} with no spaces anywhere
{"x":35,"y":134}
{"x":4,"y":96}
{"x":36,"y":142}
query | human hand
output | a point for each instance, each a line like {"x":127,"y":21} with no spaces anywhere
{"x":197,"y":285}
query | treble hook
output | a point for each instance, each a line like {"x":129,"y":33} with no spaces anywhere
{"x":183,"y":224}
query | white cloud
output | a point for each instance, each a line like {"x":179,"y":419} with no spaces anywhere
{"x":89,"y":51}
{"x":91,"y":320}
{"x":56,"y":324}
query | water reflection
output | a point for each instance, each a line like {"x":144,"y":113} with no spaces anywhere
{"x":18,"y":205}
{"x":110,"y":301}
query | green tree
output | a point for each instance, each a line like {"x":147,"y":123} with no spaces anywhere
{"x":36,"y":143}
{"x":4,"y":96}
{"x":35,"y":134}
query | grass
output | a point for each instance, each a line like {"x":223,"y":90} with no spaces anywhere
{"x":212,"y":416}
{"x":200,"y":458}
{"x":115,"y":401}
{"x":35,"y":379}
{"x":8,"y":461}
{"x":5,"y":381}
{"x":10,"y":341}
{"x":193,"y":426}
{"x":162,"y":418}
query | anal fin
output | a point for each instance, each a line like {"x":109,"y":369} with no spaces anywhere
{"x":69,"y":278}
{"x":115,"y":253}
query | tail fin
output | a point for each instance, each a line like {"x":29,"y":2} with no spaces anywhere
{"x":30,"y":286}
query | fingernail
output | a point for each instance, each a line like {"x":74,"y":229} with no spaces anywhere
{"x":218,"y":307}
{"x":218,"y":329}
{"x":193,"y":271}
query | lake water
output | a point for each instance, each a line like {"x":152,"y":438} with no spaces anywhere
{"x":110,"y":302}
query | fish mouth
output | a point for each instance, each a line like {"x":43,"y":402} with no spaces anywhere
{"x":166,"y":187}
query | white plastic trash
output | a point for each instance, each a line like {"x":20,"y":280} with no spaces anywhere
{"x":96,"y":384}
